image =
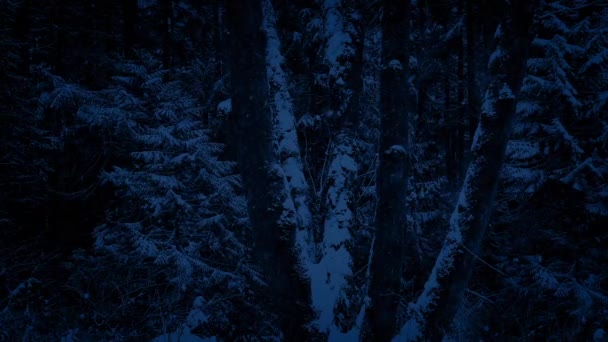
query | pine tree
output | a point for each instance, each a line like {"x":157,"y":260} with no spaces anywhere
{"x":553,"y":171}
{"x":179,"y":216}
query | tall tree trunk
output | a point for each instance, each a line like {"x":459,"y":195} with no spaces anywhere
{"x":218,"y":34}
{"x":431,"y":316}
{"x":219,"y":48}
{"x":166,"y":12}
{"x":57,"y":18}
{"x":448,"y":123}
{"x":473,"y":100}
{"x":107,"y":22}
{"x":343,"y":55}
{"x":461,"y":117}
{"x":272,"y":221}
{"x":22,"y":29}
{"x":129,"y":27}
{"x":287,"y":138}
{"x":393,"y":247}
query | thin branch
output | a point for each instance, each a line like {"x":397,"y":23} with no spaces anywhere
{"x":483,"y":261}
{"x":481,"y":296}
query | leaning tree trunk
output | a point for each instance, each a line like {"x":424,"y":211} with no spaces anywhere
{"x":286,"y":137}
{"x":393,"y":253}
{"x":473,"y":101}
{"x":271,"y":211}
{"x":431,"y":316}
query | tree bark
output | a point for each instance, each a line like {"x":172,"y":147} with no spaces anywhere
{"x":129,"y":27}
{"x":273,"y":225}
{"x":393,"y":246}
{"x":285,"y":134}
{"x":431,"y":316}
{"x":461,"y":117}
{"x":22,"y":29}
{"x":330,"y":274}
{"x":448,"y":125}
{"x":57,"y":18}
{"x":166,"y":9}
{"x":218,"y":34}
{"x":473,"y":99}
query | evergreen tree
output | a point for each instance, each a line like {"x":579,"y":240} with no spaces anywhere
{"x":285,"y":169}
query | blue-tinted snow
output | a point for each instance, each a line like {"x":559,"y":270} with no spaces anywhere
{"x":225,"y":106}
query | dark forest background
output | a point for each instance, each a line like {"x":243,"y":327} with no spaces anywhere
{"x":303,"y":170}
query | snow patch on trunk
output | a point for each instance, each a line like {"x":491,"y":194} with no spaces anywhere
{"x":487,"y":107}
{"x":329,"y":276}
{"x":225,"y":107}
{"x":338,"y":40}
{"x":415,"y":325}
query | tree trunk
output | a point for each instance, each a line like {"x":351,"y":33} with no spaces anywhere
{"x":473,"y":101}
{"x":393,"y":246}
{"x":287,"y":140}
{"x":272,"y":221}
{"x":129,"y":27}
{"x":22,"y":29}
{"x":218,"y":35}
{"x":461,"y":118}
{"x":448,"y":125}
{"x":431,"y":316}
{"x":57,"y":18}
{"x":166,"y":9}
{"x":330,"y":274}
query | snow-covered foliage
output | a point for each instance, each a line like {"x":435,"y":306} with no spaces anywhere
{"x":556,"y":170}
{"x":558,"y":98}
{"x":171,"y":240}
{"x":121,"y":210}
{"x":179,"y":212}
{"x":537,"y":265}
